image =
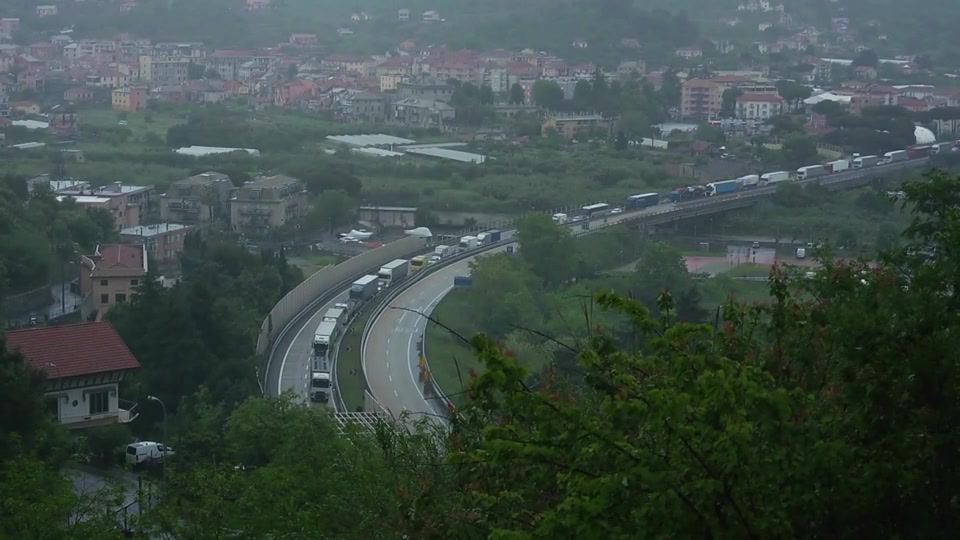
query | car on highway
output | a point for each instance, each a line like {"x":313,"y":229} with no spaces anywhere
{"x":616,"y":211}
{"x":434,"y":259}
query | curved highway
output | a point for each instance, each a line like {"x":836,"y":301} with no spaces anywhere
{"x":390,"y":352}
{"x":390,"y":364}
{"x":390,"y":356}
{"x":292,"y":369}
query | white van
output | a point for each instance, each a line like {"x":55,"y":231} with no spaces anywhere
{"x":147,"y":451}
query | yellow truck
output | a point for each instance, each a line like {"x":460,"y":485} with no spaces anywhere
{"x":418,"y":263}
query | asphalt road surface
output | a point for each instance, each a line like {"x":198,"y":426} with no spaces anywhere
{"x":291,"y":369}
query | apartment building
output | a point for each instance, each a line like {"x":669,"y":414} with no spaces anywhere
{"x":758,"y":106}
{"x":109,"y":277}
{"x":267,"y":202}
{"x":196,"y":199}
{"x":163,"y":241}
{"x":701,"y":99}
{"x":567,"y":126}
{"x":130,"y":99}
{"x":162,"y":71}
{"x":84,"y":365}
{"x":126,"y":203}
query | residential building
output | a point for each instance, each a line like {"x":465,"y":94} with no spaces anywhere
{"x":403,"y":15}
{"x":127,"y":204}
{"x":689,"y":52}
{"x":758,"y":106}
{"x":110,"y":276}
{"x":267,"y":202}
{"x":365,"y":106}
{"x":254,"y":5}
{"x":130,"y":99}
{"x":9,"y":25}
{"x":78,"y":94}
{"x":46,"y":11}
{"x":567,"y":126}
{"x":163,"y":242}
{"x":84,"y":366}
{"x":196,"y":199}
{"x":425,"y":90}
{"x":700,"y":99}
{"x":631,"y":68}
{"x":164,"y":71}
{"x":422,"y":112}
{"x":303,"y":40}
{"x":431,"y":16}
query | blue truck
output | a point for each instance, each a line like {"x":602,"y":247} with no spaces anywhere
{"x":642,"y":201}
{"x":490,"y":237}
{"x":722,"y":188}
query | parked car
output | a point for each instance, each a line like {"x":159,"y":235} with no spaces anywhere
{"x":146,"y":452}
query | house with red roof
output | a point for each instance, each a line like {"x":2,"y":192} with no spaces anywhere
{"x":759,"y":106}
{"x":110,"y":276}
{"x":84,"y":364}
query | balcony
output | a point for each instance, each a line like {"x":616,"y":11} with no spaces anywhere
{"x":126,"y":412}
{"x":254,"y":212}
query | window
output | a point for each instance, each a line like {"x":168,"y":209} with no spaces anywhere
{"x":121,"y":298}
{"x":104,"y":298}
{"x":134,"y":282}
{"x":99,"y":401}
{"x":104,"y":282}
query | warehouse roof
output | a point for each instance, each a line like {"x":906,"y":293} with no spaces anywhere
{"x":369,"y":140}
{"x":444,"y":153}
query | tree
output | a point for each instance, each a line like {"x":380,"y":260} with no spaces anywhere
{"x":719,"y":430}
{"x":547,"y":94}
{"x":546,"y":248}
{"x":728,"y":107}
{"x":517,"y":95}
{"x":195,"y":71}
{"x":331,"y":209}
{"x":634,"y":124}
{"x":486,"y":95}
{"x":793,"y":93}
{"x":866,"y":57}
{"x":799,"y":150}
{"x":621,"y":142}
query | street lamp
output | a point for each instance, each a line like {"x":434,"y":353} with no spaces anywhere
{"x":165,"y":442}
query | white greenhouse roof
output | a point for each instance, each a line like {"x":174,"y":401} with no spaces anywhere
{"x":456,"y":155}
{"x":369,"y":140}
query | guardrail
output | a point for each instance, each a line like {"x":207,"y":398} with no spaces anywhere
{"x":319,"y":288}
{"x":690,"y":209}
{"x":393,"y":293}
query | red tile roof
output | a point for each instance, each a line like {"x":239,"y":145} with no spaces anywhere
{"x":73,"y":349}
{"x":759,"y":98}
{"x":120,"y":256}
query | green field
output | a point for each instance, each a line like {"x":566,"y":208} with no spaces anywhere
{"x":350,"y":379}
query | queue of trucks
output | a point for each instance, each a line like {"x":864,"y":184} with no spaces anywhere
{"x":393,"y":272}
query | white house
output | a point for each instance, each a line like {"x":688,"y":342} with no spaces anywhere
{"x":759,"y":106}
{"x":85,"y":364}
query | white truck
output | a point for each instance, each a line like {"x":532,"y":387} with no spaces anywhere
{"x":559,"y":219}
{"x":865,"y":161}
{"x":393,"y":272}
{"x":749,"y":181}
{"x":336,"y":314}
{"x":801,"y":253}
{"x":441,"y":251}
{"x":321,"y":381}
{"x":468,"y":242}
{"x":839,"y":165}
{"x":774,"y":177}
{"x":325,"y":335}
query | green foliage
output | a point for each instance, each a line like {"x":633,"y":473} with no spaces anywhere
{"x":781,"y":421}
{"x":215,"y":313}
{"x":547,"y":94}
{"x":331,"y":209}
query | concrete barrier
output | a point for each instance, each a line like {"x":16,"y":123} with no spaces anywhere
{"x":326,"y":278}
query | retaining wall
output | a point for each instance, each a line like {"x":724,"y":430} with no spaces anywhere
{"x":325,"y":279}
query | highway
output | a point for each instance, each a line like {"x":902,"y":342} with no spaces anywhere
{"x":292,"y":369}
{"x":390,"y":355}
{"x":393,"y":336}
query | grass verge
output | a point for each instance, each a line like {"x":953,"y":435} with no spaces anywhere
{"x":450,"y":358}
{"x":349,"y":368}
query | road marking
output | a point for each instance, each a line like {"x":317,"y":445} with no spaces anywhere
{"x":395,"y":393}
{"x":390,"y":377}
{"x":296,"y":338}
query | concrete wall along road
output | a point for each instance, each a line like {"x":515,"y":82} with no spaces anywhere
{"x":325,"y":279}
